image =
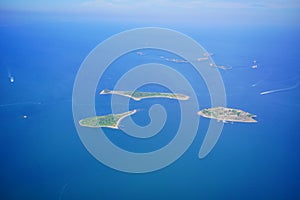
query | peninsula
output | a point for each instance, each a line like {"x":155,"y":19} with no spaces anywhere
{"x":227,"y":114}
{"x":143,"y":95}
{"x":109,"y":121}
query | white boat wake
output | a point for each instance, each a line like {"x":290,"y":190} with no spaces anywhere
{"x":10,"y":76}
{"x":262,"y":80}
{"x":280,"y":90}
{"x":20,"y":103}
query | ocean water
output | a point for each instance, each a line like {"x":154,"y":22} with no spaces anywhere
{"x":43,"y":157}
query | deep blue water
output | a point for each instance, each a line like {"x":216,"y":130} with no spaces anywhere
{"x":43,"y":157}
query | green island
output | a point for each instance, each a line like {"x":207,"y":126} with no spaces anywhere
{"x":109,"y":121}
{"x":143,"y":95}
{"x":227,"y":114}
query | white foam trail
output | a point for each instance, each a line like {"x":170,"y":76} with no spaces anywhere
{"x":257,"y":83}
{"x":267,"y":92}
{"x":63,"y":190}
{"x":37,"y":103}
{"x":20,"y":103}
{"x":8,"y":73}
{"x":262,"y":80}
{"x":10,"y":76}
{"x":280,"y":90}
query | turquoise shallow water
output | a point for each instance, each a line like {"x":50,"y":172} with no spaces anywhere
{"x":43,"y":157}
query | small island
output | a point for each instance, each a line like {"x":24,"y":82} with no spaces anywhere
{"x":109,"y":121}
{"x":227,"y":114}
{"x":220,"y":66}
{"x":176,"y":60}
{"x":143,"y":95}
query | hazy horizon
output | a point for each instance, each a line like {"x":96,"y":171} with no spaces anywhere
{"x":203,"y":12}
